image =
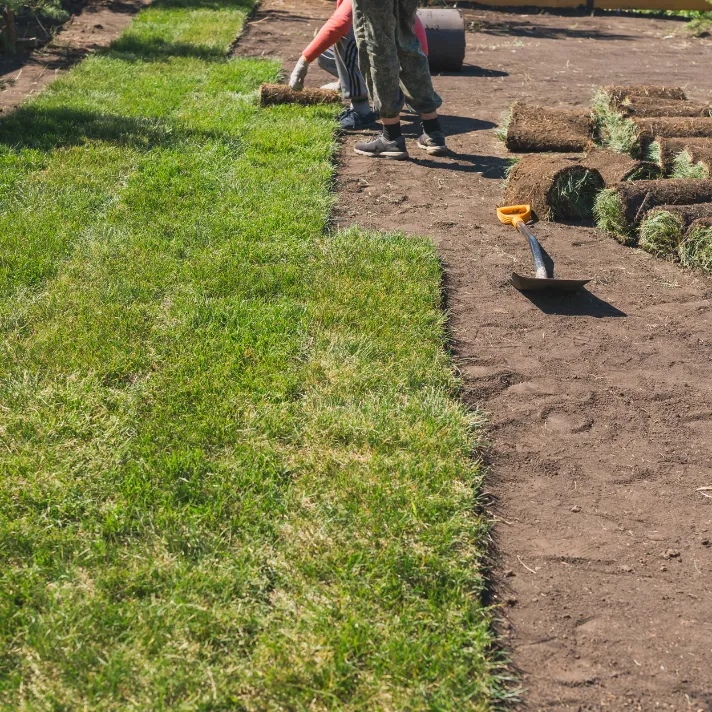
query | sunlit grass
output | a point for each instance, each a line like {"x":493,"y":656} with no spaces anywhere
{"x":235,"y":472}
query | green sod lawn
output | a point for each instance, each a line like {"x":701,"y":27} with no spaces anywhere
{"x":235,"y":474}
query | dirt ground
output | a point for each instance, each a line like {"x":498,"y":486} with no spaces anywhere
{"x":600,"y":405}
{"x":95,"y":26}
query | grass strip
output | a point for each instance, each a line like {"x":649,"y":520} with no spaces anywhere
{"x":614,"y":131}
{"x":235,"y":475}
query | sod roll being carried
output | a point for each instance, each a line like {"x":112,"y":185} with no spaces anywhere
{"x":620,"y":209}
{"x":272,"y":94}
{"x":663,"y":228}
{"x":618,"y":93}
{"x":644,"y":106}
{"x":535,"y":129}
{"x":556,"y":187}
{"x":617,"y":167}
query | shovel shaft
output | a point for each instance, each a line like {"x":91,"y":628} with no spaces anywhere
{"x":535,"y":247}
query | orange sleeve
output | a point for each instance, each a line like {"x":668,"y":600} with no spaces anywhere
{"x":336,"y":27}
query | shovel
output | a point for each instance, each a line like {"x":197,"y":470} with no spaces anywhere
{"x":518,"y":215}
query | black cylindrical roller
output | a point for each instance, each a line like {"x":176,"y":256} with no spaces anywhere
{"x":445,"y":30}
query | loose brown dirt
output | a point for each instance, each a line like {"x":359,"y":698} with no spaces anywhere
{"x":601,"y":404}
{"x":100,"y":22}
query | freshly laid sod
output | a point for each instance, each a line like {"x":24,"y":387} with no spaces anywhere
{"x":235,"y":475}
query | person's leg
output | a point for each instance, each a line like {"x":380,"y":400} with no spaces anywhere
{"x":327,"y":61}
{"x":353,"y":86}
{"x":415,"y":79}
{"x":375,"y":26}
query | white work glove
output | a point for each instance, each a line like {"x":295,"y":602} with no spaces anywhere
{"x":296,"y":81}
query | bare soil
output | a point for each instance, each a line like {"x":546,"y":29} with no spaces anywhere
{"x":98,"y":23}
{"x":601,"y":404}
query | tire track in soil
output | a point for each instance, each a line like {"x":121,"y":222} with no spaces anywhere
{"x":600,"y":406}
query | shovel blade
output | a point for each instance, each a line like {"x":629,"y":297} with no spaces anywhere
{"x":532,"y":284}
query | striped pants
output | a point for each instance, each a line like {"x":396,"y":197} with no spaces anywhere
{"x":341,"y":61}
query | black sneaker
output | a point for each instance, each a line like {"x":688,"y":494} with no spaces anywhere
{"x":433,"y":143}
{"x":380,"y":146}
{"x":350,"y":120}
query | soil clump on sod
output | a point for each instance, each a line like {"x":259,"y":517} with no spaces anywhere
{"x":273,"y":94}
{"x":536,"y":129}
{"x":556,"y":187}
{"x":648,"y":107}
{"x":615,"y":167}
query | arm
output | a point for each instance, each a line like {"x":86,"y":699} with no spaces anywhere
{"x":336,"y":27}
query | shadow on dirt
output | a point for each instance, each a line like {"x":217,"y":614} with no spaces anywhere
{"x":452,"y":125}
{"x":488,"y":166}
{"x":524,"y":28}
{"x":582,"y":303}
{"x":472,"y":70}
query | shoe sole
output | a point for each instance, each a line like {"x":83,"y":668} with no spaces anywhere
{"x":434,"y":150}
{"x":393,"y":155}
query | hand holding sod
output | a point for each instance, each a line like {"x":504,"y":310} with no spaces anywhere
{"x":296,"y":81}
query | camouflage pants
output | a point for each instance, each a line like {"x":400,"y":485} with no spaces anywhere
{"x":391,"y":60}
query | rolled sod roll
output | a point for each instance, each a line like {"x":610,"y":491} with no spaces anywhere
{"x":555,"y":186}
{"x":272,"y":94}
{"x":663,"y":228}
{"x":645,"y":107}
{"x":668,"y":149}
{"x":617,"y":167}
{"x":672,"y":127}
{"x":534,"y":129}
{"x":617,"y":93}
{"x":620,"y":209}
{"x":692,"y":162}
{"x":695,"y":250}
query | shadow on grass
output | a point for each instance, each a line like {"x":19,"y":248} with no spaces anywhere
{"x":49,"y":128}
{"x":153,"y":49}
